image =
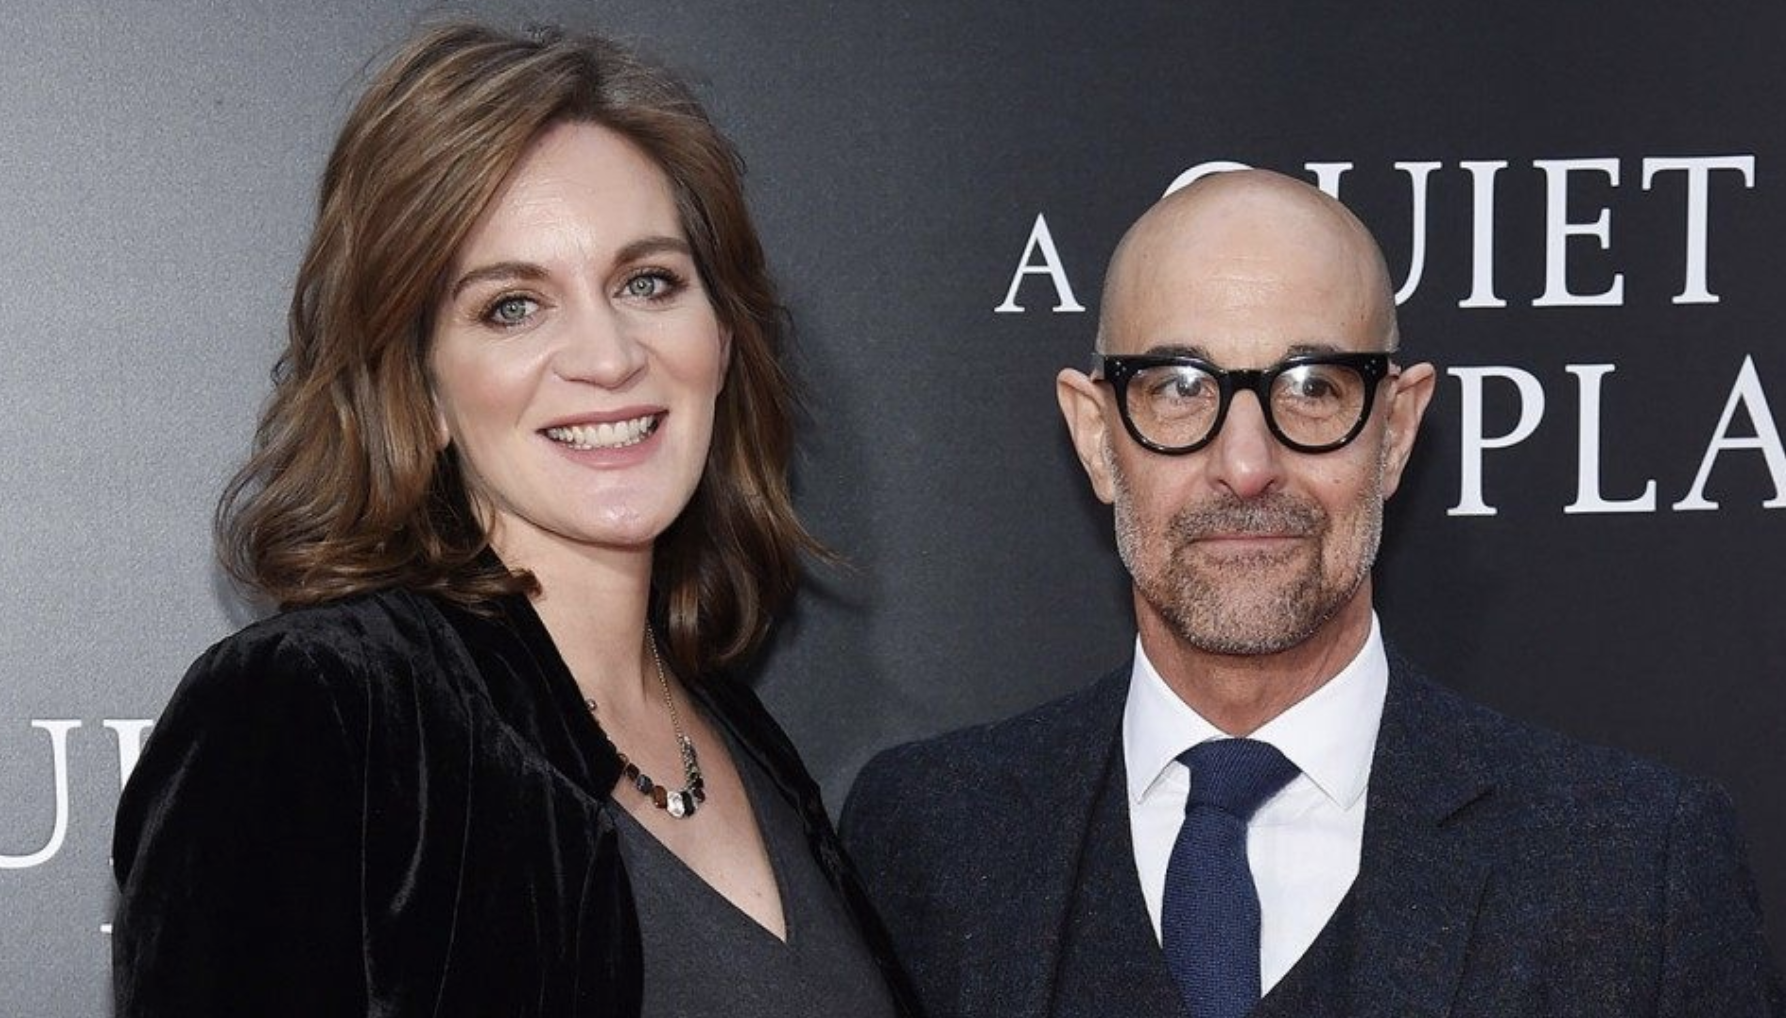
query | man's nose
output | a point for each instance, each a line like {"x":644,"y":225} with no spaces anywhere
{"x":600,"y":346}
{"x":1245,"y":456}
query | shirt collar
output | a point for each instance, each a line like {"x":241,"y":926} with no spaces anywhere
{"x":1329,"y":735}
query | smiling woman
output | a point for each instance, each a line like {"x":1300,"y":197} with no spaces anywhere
{"x":531,"y":416}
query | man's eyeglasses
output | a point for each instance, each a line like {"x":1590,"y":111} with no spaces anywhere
{"x":1312,"y":403}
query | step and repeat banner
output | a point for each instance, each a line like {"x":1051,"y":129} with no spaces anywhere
{"x":1583,"y":206}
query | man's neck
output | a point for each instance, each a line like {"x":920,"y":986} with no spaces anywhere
{"x":1239,"y":693}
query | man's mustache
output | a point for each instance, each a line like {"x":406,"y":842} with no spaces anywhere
{"x":1276,"y":513}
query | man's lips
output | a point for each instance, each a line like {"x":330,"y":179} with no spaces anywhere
{"x":1248,"y":545}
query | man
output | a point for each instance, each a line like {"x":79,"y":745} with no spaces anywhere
{"x":1267,"y":801}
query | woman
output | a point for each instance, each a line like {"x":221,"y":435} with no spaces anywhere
{"x":521,"y":490}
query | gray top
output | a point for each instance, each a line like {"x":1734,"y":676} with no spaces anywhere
{"x":703,"y":956}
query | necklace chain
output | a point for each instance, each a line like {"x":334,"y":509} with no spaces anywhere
{"x":681,"y":802}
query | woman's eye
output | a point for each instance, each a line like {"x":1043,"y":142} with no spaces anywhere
{"x":653,"y":285}
{"x":511,"y":310}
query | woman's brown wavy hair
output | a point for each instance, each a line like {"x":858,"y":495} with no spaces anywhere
{"x":345,"y":491}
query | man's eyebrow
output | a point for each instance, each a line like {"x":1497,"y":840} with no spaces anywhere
{"x":1302,"y":349}
{"x":498,"y":271}
{"x":1177,"y":350}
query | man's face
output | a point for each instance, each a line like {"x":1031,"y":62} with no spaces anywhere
{"x":1246,"y":546}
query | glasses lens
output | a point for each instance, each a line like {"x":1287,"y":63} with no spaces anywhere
{"x":1317,"y":404}
{"x":1174,"y":405}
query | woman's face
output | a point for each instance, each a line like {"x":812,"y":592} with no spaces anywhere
{"x":575,"y":357}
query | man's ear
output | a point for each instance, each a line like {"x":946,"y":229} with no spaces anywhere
{"x":1409,"y":395}
{"x":1082,"y":405}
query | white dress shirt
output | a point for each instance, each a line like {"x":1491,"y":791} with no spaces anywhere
{"x":1304,"y":842}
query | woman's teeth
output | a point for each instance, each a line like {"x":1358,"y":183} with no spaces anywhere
{"x":609,"y":435}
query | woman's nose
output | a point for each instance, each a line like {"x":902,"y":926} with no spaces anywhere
{"x":600,"y":347}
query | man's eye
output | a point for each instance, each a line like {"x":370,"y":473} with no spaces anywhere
{"x":511,"y":310}
{"x":1311,"y":385}
{"x":1180,"y":387}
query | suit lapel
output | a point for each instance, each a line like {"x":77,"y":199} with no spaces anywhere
{"x":1064,"y":764}
{"x":1422,"y":872}
{"x":1111,"y":963}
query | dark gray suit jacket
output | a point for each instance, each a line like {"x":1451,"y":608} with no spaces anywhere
{"x":1506,"y":871}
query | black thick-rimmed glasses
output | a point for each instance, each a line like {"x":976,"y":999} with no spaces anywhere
{"x":1313,"y":402}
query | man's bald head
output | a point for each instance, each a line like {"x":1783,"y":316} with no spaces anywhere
{"x":1247,"y":236}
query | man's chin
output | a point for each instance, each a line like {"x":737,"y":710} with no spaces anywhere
{"x":1242,"y":641}
{"x":1222,"y":621}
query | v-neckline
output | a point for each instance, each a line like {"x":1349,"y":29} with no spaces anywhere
{"x":771,"y":851}
{"x":594,"y":748}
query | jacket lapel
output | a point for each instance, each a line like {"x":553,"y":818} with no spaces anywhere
{"x":1060,"y":763}
{"x":1423,"y":870}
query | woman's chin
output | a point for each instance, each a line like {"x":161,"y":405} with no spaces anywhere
{"x":615,"y":531}
{"x":608,"y":536}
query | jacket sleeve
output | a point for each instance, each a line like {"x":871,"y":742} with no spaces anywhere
{"x":884,"y":829}
{"x":1716,"y":960}
{"x":236,"y":847}
{"x":873,"y":826}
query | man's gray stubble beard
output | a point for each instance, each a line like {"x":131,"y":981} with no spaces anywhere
{"x":1199,"y":608}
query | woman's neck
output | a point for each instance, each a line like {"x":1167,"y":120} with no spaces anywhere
{"x":593,"y":603}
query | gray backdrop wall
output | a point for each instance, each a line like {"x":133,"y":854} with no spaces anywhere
{"x":1586,"y":202}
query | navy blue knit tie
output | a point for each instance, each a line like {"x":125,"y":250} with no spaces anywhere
{"x":1209,"y":921}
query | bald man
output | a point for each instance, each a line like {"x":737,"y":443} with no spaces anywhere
{"x":1266,"y":812}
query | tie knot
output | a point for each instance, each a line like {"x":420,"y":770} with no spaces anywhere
{"x":1235,"y":775}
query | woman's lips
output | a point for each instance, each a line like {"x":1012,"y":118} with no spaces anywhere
{"x":605,"y":434}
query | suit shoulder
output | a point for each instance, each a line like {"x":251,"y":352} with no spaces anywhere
{"x":1629,"y":879}
{"x":923,"y":784}
{"x":1541,"y":765}
{"x":1030,"y":739}
{"x":1550,"y":758}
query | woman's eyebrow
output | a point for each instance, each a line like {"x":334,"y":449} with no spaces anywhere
{"x":498,"y":270}
{"x":647,"y":246}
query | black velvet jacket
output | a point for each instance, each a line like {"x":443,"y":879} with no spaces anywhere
{"x":385,"y":806}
